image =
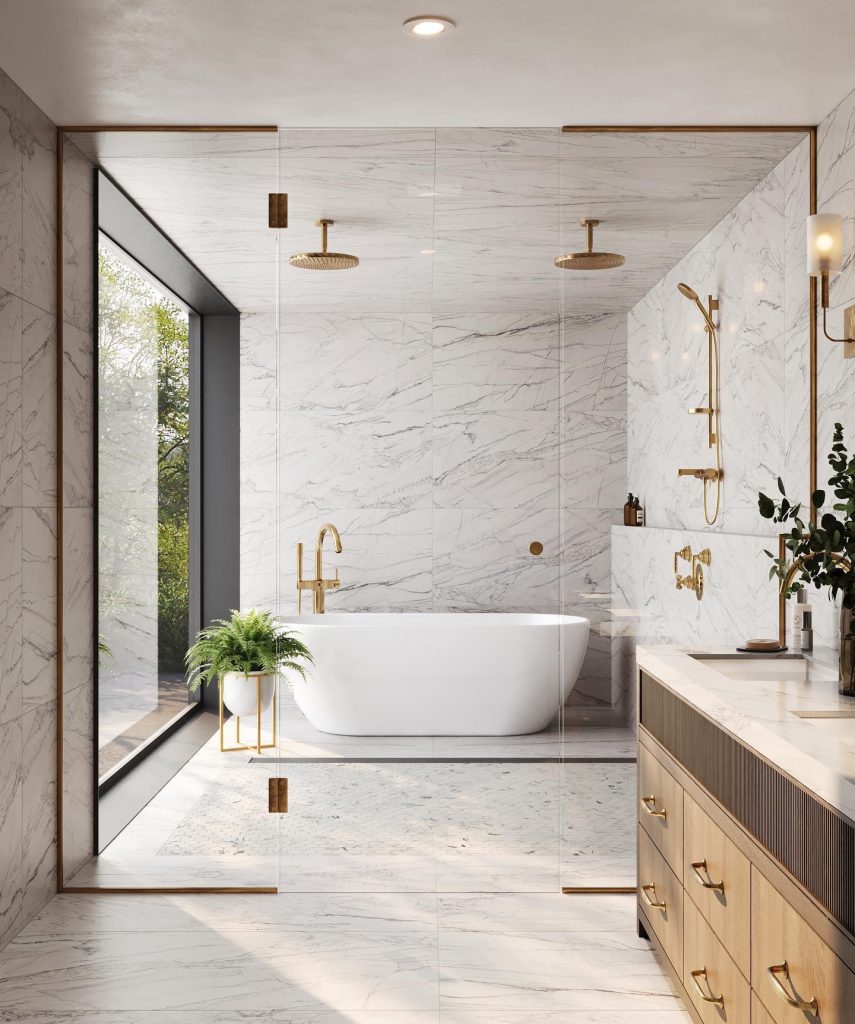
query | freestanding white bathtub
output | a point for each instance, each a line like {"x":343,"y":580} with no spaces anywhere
{"x":429,"y":674}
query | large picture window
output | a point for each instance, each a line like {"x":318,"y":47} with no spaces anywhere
{"x":144,"y":507}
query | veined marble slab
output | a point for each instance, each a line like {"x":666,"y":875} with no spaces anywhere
{"x":761,"y":713}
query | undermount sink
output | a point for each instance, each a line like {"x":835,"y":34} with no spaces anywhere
{"x":757,"y":668}
{"x":840,"y":725}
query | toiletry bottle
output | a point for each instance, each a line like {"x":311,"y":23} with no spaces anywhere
{"x":639,"y":512}
{"x":807,"y":629}
{"x":798,"y":610}
{"x":628,"y":511}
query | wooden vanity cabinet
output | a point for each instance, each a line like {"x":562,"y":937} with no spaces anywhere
{"x":743,"y":888}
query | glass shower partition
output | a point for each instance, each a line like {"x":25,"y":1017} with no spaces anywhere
{"x":169,"y":313}
{"x":419,"y":412}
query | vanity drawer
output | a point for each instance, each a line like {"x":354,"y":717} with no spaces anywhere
{"x":813,"y":971}
{"x":660,"y":809}
{"x":661,"y":896}
{"x":727,"y":909}
{"x":717,"y":989}
{"x":759,"y":1013}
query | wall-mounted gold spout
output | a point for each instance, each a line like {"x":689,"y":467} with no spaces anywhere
{"x":319,"y":586}
{"x":702,"y":474}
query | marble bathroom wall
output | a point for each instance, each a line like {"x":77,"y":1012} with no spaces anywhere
{"x":750,"y":262}
{"x":436,"y":403}
{"x":739,"y":600}
{"x":27,"y":510}
{"x":754,"y":261}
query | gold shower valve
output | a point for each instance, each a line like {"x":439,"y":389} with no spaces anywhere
{"x":704,"y":556}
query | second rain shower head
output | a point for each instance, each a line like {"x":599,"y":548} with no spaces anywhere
{"x":324,"y":260}
{"x":589,"y":260}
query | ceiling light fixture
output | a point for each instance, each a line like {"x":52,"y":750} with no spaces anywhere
{"x":428,"y":25}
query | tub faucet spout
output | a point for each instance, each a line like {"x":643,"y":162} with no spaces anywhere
{"x":318,"y":586}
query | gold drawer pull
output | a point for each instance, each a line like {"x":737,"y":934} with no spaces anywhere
{"x":649,"y":804}
{"x":715,"y":1000}
{"x":809,"y":1006}
{"x":655,"y":903}
{"x":701,"y":865}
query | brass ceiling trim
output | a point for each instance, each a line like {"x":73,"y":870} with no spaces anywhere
{"x":61,"y":132}
{"x":694,"y":128}
{"x":598,"y":890}
{"x":219,"y":129}
{"x":173,"y":890}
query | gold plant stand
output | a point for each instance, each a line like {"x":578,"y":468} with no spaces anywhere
{"x":258,"y":746}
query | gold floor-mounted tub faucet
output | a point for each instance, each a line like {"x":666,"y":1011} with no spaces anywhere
{"x":318,"y":586}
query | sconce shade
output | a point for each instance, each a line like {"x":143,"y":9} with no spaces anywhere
{"x":824,"y":243}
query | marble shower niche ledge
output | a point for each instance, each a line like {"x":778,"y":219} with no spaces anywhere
{"x":784,"y":708}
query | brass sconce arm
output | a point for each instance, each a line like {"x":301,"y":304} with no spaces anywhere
{"x":848,"y":315}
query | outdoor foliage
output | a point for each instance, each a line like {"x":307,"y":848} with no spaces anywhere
{"x":143,"y":336}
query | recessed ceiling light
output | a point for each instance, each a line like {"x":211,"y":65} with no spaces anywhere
{"x":428,"y":252}
{"x":427,"y":25}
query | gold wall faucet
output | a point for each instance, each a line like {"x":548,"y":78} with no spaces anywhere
{"x":318,"y":586}
{"x":695,"y":579}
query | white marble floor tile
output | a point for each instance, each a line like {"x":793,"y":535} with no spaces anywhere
{"x":589,"y":1016}
{"x":603,"y":971}
{"x":285,"y":912}
{"x":258,"y":972}
{"x":536,"y":912}
{"x":232,"y":1016}
{"x":335,"y":959}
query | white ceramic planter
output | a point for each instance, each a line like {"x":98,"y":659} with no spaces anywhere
{"x":240,"y":692}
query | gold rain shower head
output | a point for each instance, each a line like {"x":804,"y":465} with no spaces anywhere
{"x":589,"y":260}
{"x":324,"y":260}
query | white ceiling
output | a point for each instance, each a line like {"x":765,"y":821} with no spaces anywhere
{"x":347,"y":63}
{"x":450,"y":220}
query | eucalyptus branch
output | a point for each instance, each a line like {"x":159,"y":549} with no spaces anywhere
{"x":832,"y":534}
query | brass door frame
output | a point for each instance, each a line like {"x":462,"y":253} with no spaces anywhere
{"x":810,"y":132}
{"x":61,"y":132}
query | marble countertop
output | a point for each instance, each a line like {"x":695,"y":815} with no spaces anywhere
{"x":757,"y":700}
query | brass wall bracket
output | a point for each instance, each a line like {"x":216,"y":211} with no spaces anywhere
{"x":277,"y":796}
{"x":277,"y":209}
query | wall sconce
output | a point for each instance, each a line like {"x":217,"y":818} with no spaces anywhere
{"x":824,"y":257}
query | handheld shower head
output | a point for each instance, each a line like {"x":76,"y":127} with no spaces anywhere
{"x":692,"y":296}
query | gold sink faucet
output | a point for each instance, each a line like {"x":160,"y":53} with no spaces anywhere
{"x":318,"y":586}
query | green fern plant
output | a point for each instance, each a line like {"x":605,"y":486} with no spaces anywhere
{"x":247,"y":642}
